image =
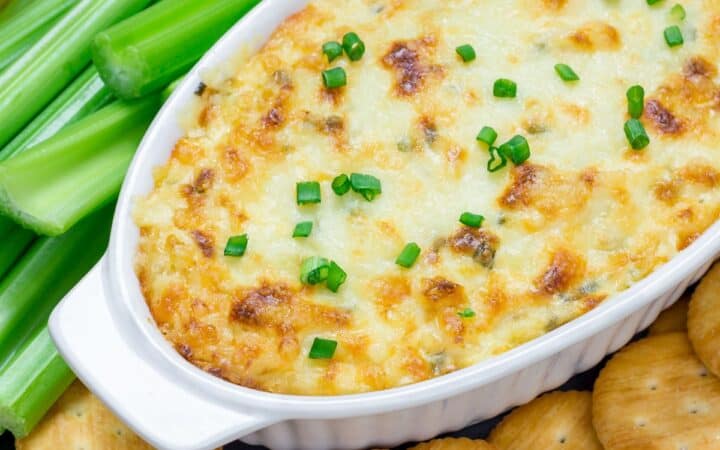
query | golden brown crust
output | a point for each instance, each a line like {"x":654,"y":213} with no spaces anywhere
{"x":584,"y":218}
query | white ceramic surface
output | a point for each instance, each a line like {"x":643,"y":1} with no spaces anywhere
{"x":104,"y":330}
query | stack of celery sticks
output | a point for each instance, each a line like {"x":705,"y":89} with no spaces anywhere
{"x":80,"y":81}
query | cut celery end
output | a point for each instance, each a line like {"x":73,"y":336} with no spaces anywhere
{"x":52,"y":186}
{"x":144,"y":53}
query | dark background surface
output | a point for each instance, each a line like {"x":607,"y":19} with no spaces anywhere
{"x":583,"y":381}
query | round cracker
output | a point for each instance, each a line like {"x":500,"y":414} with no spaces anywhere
{"x":558,"y":420}
{"x":455,"y":444}
{"x":704,"y":320}
{"x":672,"y":319}
{"x":656,"y":394}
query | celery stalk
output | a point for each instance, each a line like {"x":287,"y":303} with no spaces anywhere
{"x":28,"y":24}
{"x":14,"y":243}
{"x":32,"y":383}
{"x":32,"y":373}
{"x":85,"y":95}
{"x":44,"y":275}
{"x":6,"y":225}
{"x":51,"y":186}
{"x":11,"y":51}
{"x":29,"y":83}
{"x":149,"y":50}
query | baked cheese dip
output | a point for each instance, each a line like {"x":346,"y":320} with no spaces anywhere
{"x":391,"y":190}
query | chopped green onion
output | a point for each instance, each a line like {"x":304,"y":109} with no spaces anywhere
{"x":497,"y":160}
{"x":334,"y":78}
{"x":236,"y":245}
{"x":678,"y":13}
{"x":408,"y":256}
{"x":322,"y":348}
{"x":653,"y":2}
{"x":314,"y":270}
{"x":673,"y":36}
{"x":505,"y":88}
{"x":308,"y":192}
{"x":516,"y":150}
{"x":154,"y":47}
{"x":341,"y":184}
{"x":366,"y":185}
{"x":566,"y":72}
{"x":466,"y":52}
{"x":636,"y":101}
{"x":471,"y":220}
{"x":336,"y":276}
{"x":303,"y":229}
{"x":636,"y":134}
{"x":487,"y":135}
{"x":466,"y":313}
{"x":332,"y":50}
{"x":353,"y":46}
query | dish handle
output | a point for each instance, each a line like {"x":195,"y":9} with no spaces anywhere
{"x":158,"y":409}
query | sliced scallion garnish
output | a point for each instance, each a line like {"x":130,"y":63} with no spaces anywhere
{"x":366,"y":185}
{"x":353,"y":46}
{"x":636,"y":135}
{"x":308,"y":192}
{"x":408,"y":256}
{"x":466,"y":52}
{"x":236,"y":245}
{"x":334,"y":78}
{"x":314,"y":270}
{"x":516,"y":150}
{"x":303,"y":229}
{"x":505,"y":88}
{"x":322,"y":348}
{"x":471,"y":220}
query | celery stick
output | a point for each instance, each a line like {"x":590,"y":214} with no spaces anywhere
{"x":149,"y":50}
{"x":15,"y":240}
{"x":36,"y":378}
{"x":6,"y":225}
{"x":32,"y":373}
{"x":51,"y":186}
{"x":29,"y":83}
{"x":44,"y":275}
{"x":85,"y":95}
{"x":28,"y":24}
{"x":14,"y":243}
{"x":14,"y":50}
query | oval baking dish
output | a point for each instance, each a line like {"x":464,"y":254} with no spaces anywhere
{"x":106,"y":333}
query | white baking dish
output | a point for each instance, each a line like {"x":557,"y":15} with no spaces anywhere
{"x":104,"y":330}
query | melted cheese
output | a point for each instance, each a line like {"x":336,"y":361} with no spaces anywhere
{"x":583,"y":219}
